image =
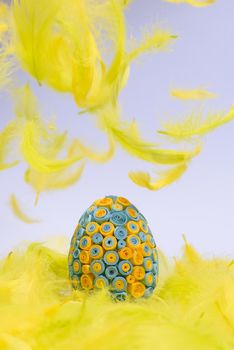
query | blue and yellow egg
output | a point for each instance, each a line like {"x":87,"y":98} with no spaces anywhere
{"x":113,"y":247}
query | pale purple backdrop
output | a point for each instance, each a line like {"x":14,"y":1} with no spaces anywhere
{"x":201,"y":204}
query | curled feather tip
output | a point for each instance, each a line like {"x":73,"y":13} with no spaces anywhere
{"x":166,"y":178}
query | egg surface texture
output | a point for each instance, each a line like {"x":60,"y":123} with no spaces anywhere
{"x":113,"y":247}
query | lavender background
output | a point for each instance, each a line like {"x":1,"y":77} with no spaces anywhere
{"x":201,"y":204}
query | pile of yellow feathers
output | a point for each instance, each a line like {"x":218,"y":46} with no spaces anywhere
{"x":192,"y":307}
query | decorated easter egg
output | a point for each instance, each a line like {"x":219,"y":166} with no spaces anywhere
{"x":113,"y":247}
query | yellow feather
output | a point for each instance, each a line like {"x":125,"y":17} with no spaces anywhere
{"x":4,"y":166}
{"x":196,"y":125}
{"x":11,"y":342}
{"x":75,"y":65}
{"x":192,"y":94}
{"x":52,"y":181}
{"x":87,"y":67}
{"x":40,"y":145}
{"x":25,"y":104}
{"x":19,"y":213}
{"x":127,"y":135}
{"x":94,"y":70}
{"x":47,"y":138}
{"x":166,"y":178}
{"x":195,"y":3}
{"x":191,"y":308}
{"x":31,"y":150}
{"x":78,"y":147}
{"x":32,"y":21}
{"x":7,"y":137}
{"x":158,"y":39}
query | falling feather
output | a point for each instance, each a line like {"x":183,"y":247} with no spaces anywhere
{"x":196,"y":125}
{"x":30,"y":147}
{"x":18,"y":211}
{"x":32,"y":23}
{"x":94,"y":70}
{"x":128,"y":136}
{"x":166,"y":178}
{"x":110,"y":36}
{"x":25,"y":103}
{"x":40,"y":145}
{"x":192,"y":94}
{"x":88,"y":66}
{"x":98,"y":157}
{"x":42,"y":182}
{"x":50,"y":141}
{"x":195,"y":3}
{"x":7,"y":138}
{"x":75,"y":65}
{"x":157,"y":40}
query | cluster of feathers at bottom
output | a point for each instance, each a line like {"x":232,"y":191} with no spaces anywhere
{"x":191,"y":309}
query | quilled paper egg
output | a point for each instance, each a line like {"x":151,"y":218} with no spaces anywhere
{"x":113,"y":247}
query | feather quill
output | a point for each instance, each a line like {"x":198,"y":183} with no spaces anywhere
{"x":166,"y":178}
{"x":196,"y":125}
{"x":19,"y":213}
